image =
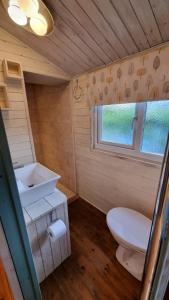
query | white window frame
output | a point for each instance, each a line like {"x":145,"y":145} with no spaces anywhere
{"x":121,"y":149}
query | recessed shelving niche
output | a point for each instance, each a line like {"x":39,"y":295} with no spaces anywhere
{"x":12,"y":70}
{"x":4,"y":103}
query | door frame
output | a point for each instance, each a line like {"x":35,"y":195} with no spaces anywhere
{"x":13,"y":223}
{"x":159,"y":239}
{"x":161,"y":277}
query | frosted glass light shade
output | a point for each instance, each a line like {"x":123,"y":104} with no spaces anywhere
{"x":17,"y":15}
{"x":29,"y":7}
{"x":13,"y":2}
{"x":39,"y":25}
{"x":33,"y":15}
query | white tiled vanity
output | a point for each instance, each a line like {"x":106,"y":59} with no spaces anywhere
{"x":38,"y":216}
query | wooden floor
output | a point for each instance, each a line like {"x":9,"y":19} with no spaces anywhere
{"x":92,"y":272}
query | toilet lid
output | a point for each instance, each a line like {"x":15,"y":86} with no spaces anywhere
{"x":130,"y":226}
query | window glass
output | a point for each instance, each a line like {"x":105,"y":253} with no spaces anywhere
{"x":117,"y":123}
{"x":156,"y":127}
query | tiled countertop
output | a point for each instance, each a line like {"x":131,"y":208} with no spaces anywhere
{"x":45,"y":205}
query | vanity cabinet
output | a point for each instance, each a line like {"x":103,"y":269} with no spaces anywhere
{"x":47,"y":255}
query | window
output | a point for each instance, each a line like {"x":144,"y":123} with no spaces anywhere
{"x":117,"y":123}
{"x":156,"y":127}
{"x":138,"y":129}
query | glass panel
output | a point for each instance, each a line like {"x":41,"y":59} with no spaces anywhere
{"x":156,"y":127}
{"x":117,"y":123}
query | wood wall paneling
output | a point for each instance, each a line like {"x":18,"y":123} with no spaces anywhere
{"x":31,"y":61}
{"x":107,"y":180}
{"x":51,"y":120}
{"x":31,"y":40}
{"x":42,"y":79}
{"x":17,"y":126}
{"x":16,"y":119}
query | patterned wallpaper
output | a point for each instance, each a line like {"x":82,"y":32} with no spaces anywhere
{"x":143,"y":77}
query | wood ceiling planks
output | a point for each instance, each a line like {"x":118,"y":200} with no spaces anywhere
{"x":161,"y":9}
{"x":78,"y":32}
{"x":102,"y":26}
{"x":116,"y":25}
{"x":91,"y":33}
{"x":147,"y":20}
{"x":79,"y":14}
{"x":130,"y":20}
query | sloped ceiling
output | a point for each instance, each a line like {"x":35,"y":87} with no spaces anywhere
{"x":92,"y":33}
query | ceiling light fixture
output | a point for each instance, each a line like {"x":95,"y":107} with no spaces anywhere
{"x":16,"y":14}
{"x":29,"y":7}
{"x":39,"y":25}
{"x":32,"y":15}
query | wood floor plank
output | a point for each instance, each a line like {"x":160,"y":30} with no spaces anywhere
{"x":92,"y":272}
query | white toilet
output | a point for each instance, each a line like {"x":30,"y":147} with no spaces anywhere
{"x":131,"y":230}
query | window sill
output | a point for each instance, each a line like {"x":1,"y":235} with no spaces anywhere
{"x":128,"y":154}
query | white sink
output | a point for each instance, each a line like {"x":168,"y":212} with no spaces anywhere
{"x":34,"y":182}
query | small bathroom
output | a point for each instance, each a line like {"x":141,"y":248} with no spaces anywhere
{"x":84,"y":152}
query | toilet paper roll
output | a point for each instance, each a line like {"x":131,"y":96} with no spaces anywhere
{"x":56,"y":230}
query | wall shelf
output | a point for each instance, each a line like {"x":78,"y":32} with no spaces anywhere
{"x":4,"y":103}
{"x":12,"y":70}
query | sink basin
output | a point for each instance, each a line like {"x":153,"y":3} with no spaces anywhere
{"x":34,"y":182}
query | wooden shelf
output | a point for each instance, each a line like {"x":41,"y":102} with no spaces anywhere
{"x":4,"y":104}
{"x":12,"y":70}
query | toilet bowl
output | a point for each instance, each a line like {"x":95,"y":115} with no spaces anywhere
{"x":131,"y":230}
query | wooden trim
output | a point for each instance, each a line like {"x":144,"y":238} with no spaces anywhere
{"x":5,"y":100}
{"x":153,"y":250}
{"x":29,"y":122}
{"x":73,"y":135}
{"x":9,"y":73}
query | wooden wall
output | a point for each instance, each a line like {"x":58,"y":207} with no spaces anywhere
{"x":104,"y":179}
{"x":17,"y":118}
{"x":51,"y":120}
{"x":31,"y":61}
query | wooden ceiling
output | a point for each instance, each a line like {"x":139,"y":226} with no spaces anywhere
{"x":92,"y":33}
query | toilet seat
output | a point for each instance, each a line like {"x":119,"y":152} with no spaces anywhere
{"x":130,"y":228}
